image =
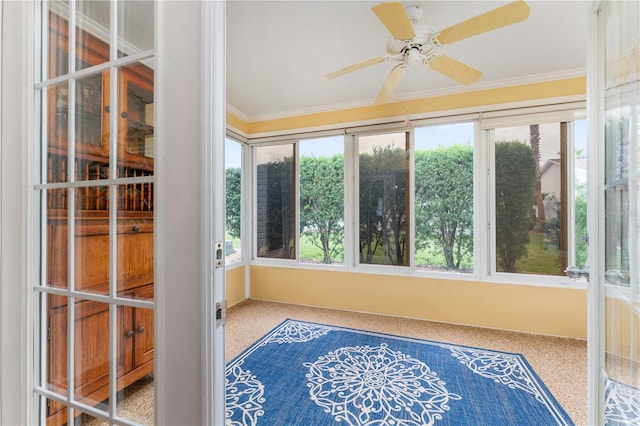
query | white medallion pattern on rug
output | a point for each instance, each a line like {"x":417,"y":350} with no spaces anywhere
{"x":365,"y":385}
{"x":499,"y":367}
{"x":622,"y":404}
{"x":294,"y":331}
{"x":244,"y":394}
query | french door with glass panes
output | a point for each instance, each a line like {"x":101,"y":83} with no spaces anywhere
{"x":614,"y":294}
{"x":95,"y":195}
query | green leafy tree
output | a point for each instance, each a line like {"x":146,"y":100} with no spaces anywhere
{"x":276,"y":209}
{"x":538,"y":215}
{"x":515,"y":171}
{"x":444,"y":201}
{"x":322,"y":203}
{"x":233,"y":194}
{"x":582,"y":237}
{"x":383,"y":206}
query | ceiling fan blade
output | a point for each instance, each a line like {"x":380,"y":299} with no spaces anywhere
{"x":391,"y":83}
{"x":454,"y":69}
{"x":395,"y":18}
{"x":355,"y":67}
{"x":508,"y":14}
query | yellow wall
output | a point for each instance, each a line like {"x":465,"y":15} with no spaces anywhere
{"x":534,"y":309}
{"x":235,"y":285}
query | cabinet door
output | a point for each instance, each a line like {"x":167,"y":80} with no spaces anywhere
{"x":91,"y":94}
{"x":124,"y":340}
{"x":143,"y":351}
{"x":91,"y":358}
{"x":92,"y":351}
{"x":136,"y":127}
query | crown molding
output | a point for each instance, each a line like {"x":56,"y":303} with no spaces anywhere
{"x":536,"y":78}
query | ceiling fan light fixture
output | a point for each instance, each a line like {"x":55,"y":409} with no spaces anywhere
{"x":413,"y":56}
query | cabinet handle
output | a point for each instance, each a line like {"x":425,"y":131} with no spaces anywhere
{"x":130,"y":333}
{"x":141,"y":329}
{"x":107,"y":108}
{"x":124,"y":114}
{"x":136,"y":228}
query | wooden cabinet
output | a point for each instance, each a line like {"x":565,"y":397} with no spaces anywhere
{"x":93,"y":160}
{"x":93,"y":107}
{"x":135,"y":326}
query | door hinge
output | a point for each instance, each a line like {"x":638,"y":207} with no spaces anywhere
{"x":221,"y":313}
{"x":49,"y":333}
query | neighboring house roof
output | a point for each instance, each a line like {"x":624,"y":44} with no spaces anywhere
{"x":580,"y":168}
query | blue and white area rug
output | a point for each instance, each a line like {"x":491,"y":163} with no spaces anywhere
{"x":310,"y":374}
{"x":622,"y":403}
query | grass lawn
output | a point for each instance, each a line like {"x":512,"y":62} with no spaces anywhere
{"x":543,"y":257}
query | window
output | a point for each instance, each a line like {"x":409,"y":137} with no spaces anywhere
{"x":420,"y":195}
{"x":383,"y":165}
{"x":233,"y":181}
{"x":275,"y":201}
{"x":444,"y":207}
{"x":322,"y":200}
{"x":532,"y":178}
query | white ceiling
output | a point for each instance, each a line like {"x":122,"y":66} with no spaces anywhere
{"x":278,"y":51}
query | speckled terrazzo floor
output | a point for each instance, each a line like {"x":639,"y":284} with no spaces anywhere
{"x":560,"y":362}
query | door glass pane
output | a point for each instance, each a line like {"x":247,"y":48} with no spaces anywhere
{"x":136,"y":117}
{"x":56,"y":350}
{"x":58,"y":36}
{"x":92,"y":33}
{"x":135,"y":359}
{"x":91,"y":260}
{"x":92,"y":117}
{"x":275,"y":177}
{"x":57,"y":105}
{"x":233,"y":182}
{"x":55,"y":252}
{"x":135,"y":26}
{"x":529,"y":170}
{"x":384,"y":209}
{"x":322,"y":200}
{"x":444,"y":197}
{"x":135,"y":239}
{"x":91,"y":353}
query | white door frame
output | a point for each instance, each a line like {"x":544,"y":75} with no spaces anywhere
{"x":190,"y":125}
{"x":16,"y":333}
{"x":214,"y":212}
{"x":595,"y":222}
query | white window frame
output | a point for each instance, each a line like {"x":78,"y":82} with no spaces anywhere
{"x":244,"y":153}
{"x":553,"y":110}
{"x":512,"y":118}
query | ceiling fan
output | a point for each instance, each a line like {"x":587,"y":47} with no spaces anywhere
{"x":413,"y":42}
